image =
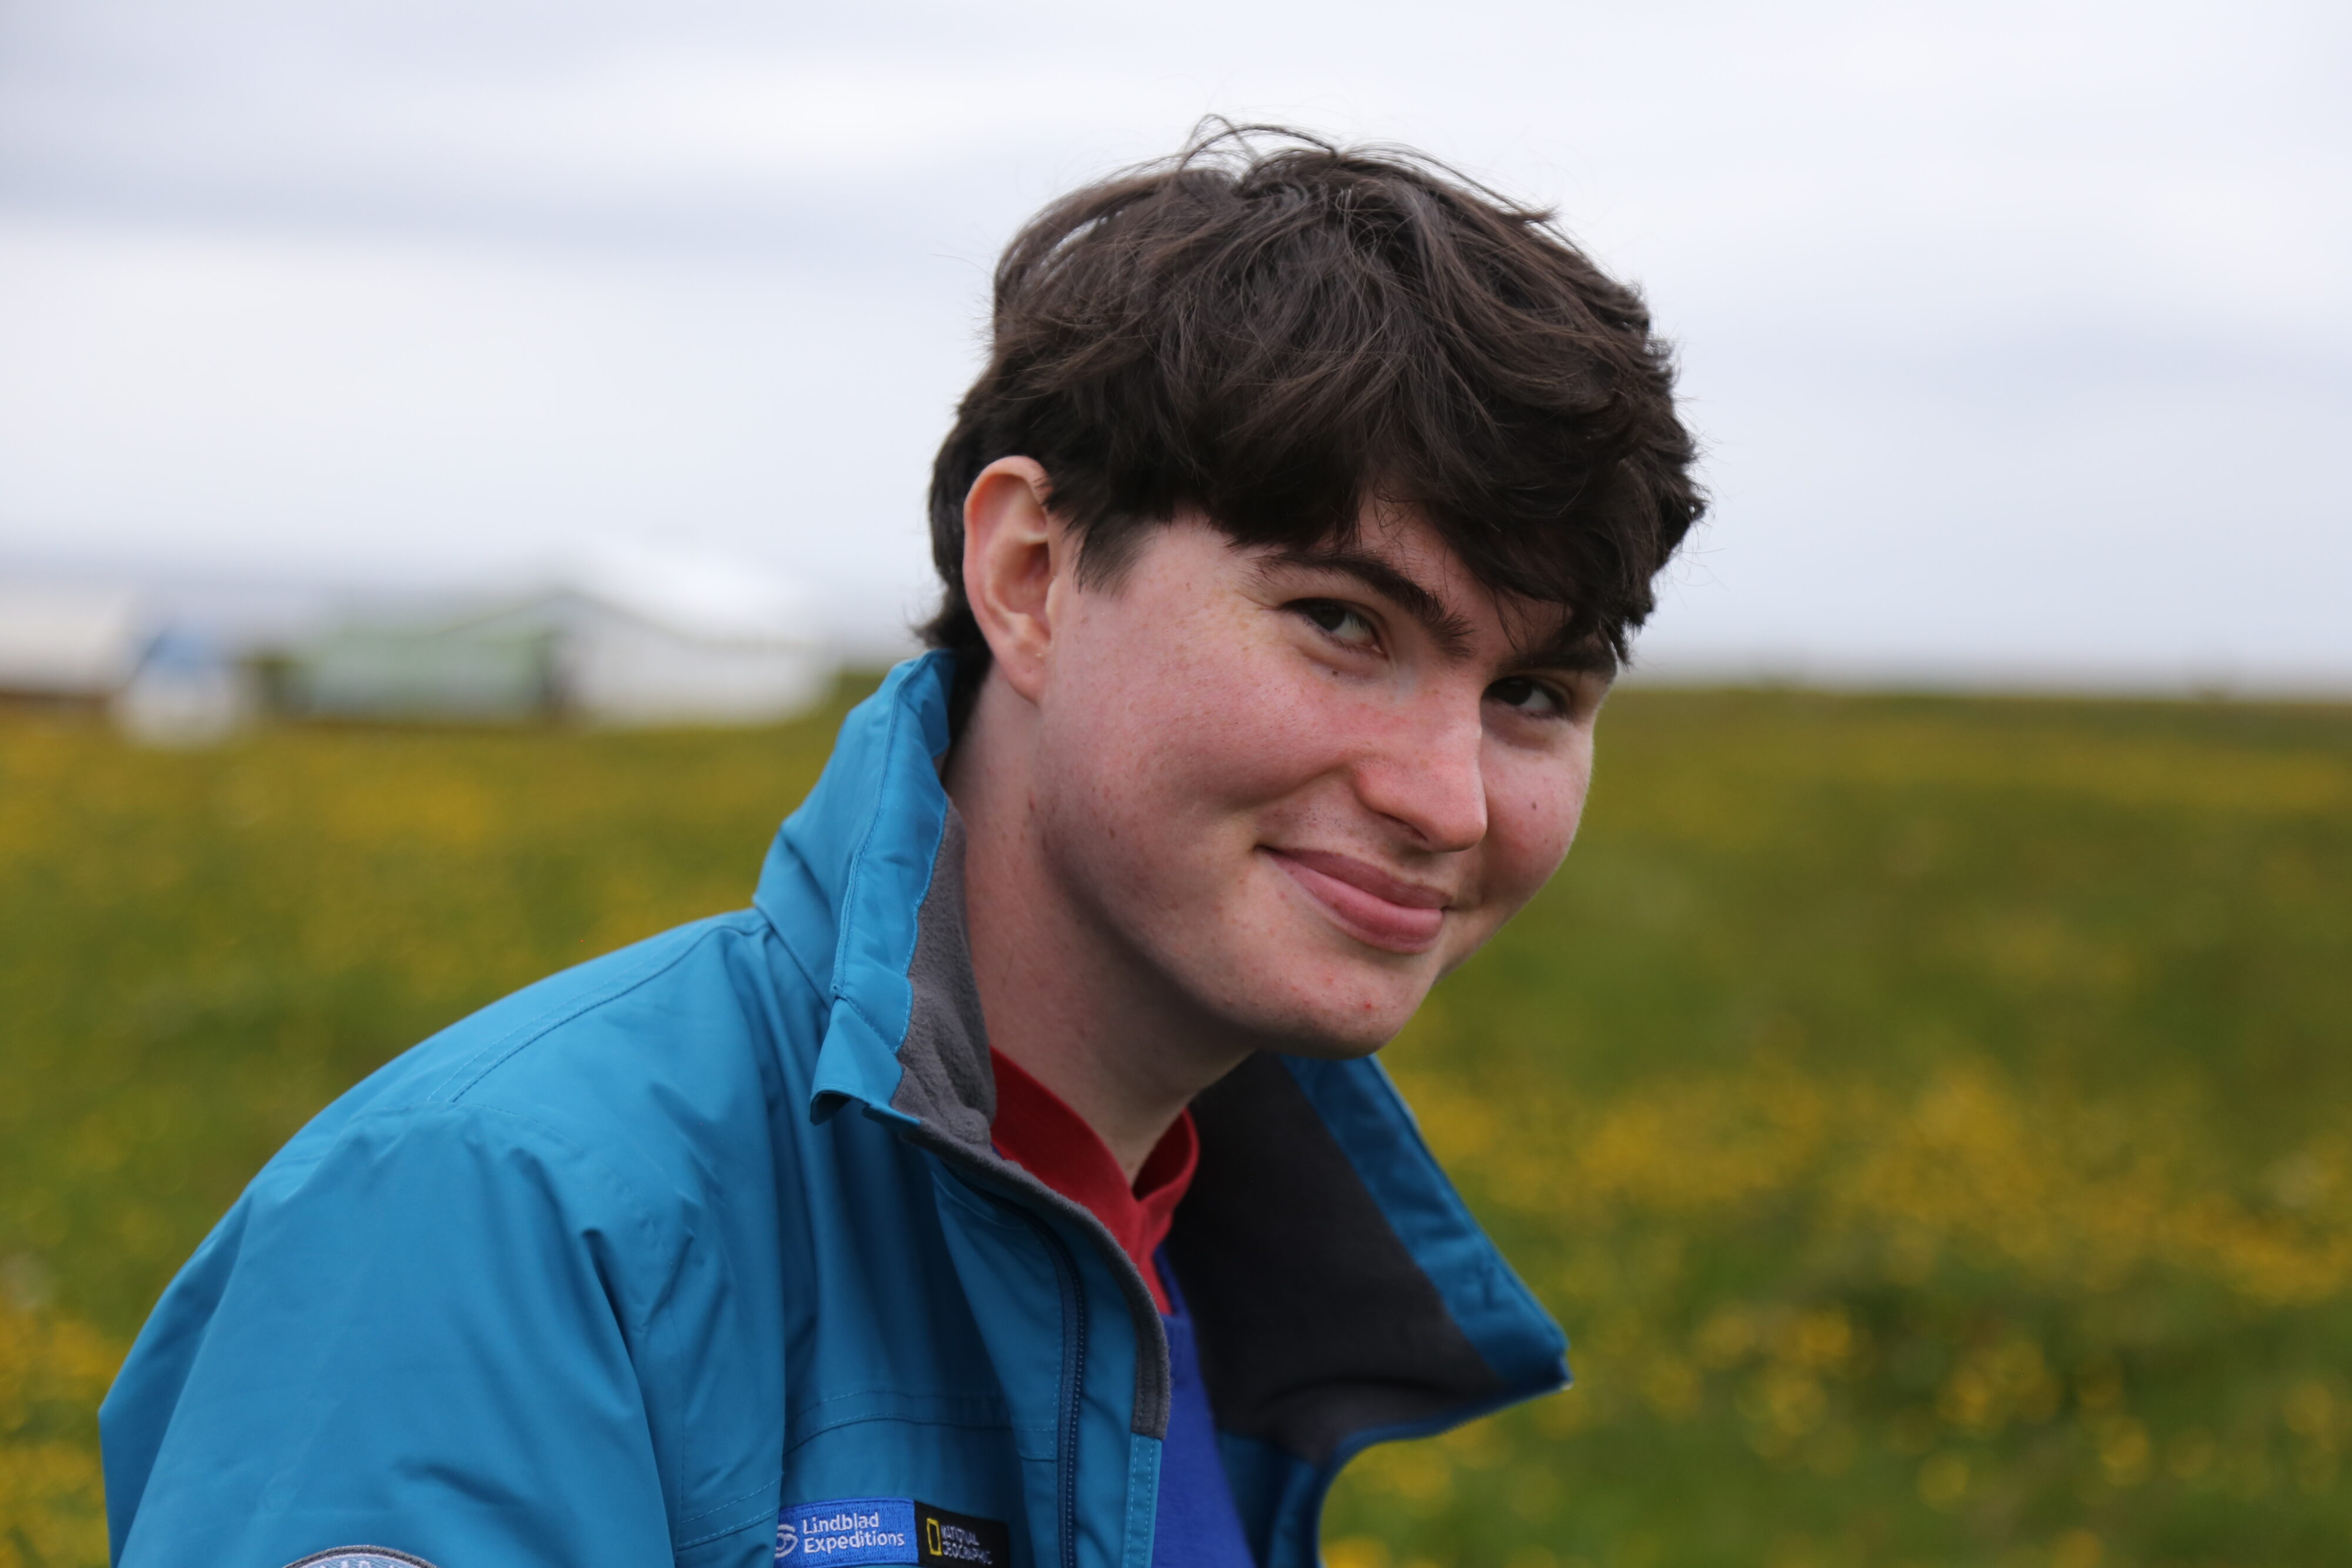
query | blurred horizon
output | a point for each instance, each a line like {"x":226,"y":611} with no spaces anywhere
{"x":2018,"y":337}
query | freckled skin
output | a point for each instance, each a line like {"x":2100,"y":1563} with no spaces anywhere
{"x":1235,"y":801}
{"x":1202,"y":721}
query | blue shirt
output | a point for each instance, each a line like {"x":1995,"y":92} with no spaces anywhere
{"x":1195,"y":1524}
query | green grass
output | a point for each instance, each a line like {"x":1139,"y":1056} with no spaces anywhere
{"x":1930,"y":1117}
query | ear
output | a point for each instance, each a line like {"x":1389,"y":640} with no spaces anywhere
{"x":1013,"y":556}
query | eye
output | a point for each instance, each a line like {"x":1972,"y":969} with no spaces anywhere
{"x":1337,"y":621}
{"x":1524,"y":694}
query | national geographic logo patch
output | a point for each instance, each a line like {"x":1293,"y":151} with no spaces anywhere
{"x":888,"y":1530}
{"x":360,"y":1557}
{"x":960,"y":1539}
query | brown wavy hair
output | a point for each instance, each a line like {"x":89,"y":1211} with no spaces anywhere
{"x":1276,"y":330}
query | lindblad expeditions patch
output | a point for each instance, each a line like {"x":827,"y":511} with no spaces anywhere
{"x":888,"y":1530}
{"x":360,"y":1557}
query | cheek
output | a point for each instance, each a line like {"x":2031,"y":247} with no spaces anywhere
{"x":1195,"y":724}
{"x":1532,"y":814}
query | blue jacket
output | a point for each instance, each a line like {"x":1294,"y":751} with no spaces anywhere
{"x":602,"y":1276}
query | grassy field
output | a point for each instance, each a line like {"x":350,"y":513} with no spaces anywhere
{"x":1931,"y":1118}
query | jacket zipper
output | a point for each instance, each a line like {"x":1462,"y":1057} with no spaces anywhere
{"x":1074,"y":1367}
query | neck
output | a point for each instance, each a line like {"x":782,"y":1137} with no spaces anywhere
{"x":1064,"y":995}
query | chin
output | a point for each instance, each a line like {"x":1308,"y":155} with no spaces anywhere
{"x":1334,"y":1013}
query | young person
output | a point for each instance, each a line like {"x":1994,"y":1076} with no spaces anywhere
{"x":1012,"y":1183}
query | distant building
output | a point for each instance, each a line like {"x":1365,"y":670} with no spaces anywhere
{"x":69,"y":643}
{"x":629,"y":637}
{"x":448,"y":669}
{"x":185,"y":691}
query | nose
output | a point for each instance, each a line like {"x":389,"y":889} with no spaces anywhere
{"x":1426,"y":772}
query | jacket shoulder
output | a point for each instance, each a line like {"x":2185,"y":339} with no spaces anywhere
{"x":573,"y":1191}
{"x":662,"y":1057}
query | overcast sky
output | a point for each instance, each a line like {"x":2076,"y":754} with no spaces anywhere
{"x":2019,"y":335}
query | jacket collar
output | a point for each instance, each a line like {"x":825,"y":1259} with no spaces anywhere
{"x":904,"y":1039}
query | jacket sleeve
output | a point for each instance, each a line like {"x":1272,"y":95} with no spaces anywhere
{"x":425,"y":1340}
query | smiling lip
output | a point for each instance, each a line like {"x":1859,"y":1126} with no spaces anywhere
{"x":1366,"y":901}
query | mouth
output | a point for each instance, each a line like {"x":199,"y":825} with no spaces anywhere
{"x":1367,"y":902}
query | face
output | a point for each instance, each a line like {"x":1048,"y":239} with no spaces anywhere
{"x":1297,"y":789}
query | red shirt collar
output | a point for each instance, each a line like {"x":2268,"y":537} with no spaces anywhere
{"x":1035,"y":1130}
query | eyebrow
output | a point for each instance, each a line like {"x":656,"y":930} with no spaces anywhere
{"x":1450,"y":630}
{"x":1586,"y":655}
{"x":1583,"y":655}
